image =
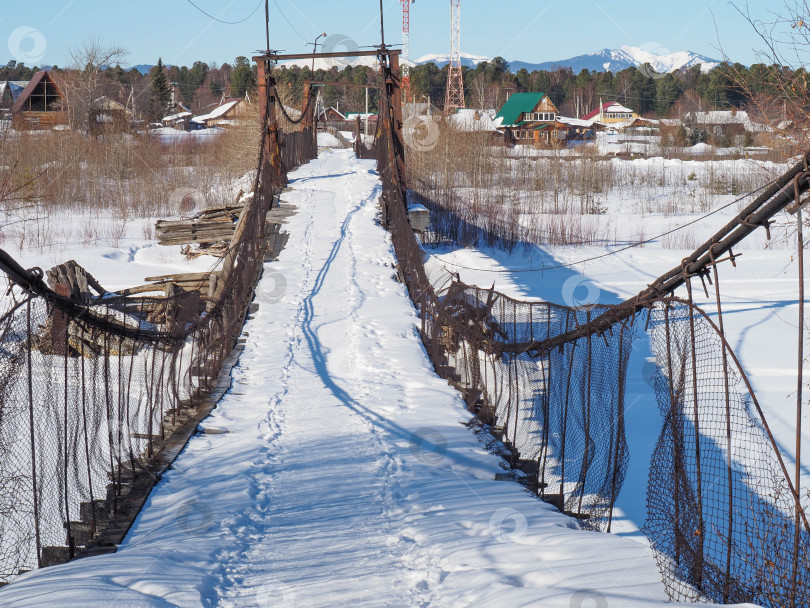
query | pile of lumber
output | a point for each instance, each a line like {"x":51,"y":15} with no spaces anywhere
{"x":212,"y":228}
{"x":198,"y":230}
{"x":204,"y":282}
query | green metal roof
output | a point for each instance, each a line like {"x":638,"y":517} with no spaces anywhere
{"x":516,"y":105}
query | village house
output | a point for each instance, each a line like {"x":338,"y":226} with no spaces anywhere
{"x":179,"y":117}
{"x":9,"y":92}
{"x":531,"y":118}
{"x":721,"y":128}
{"x":473,"y":121}
{"x":224,"y":114}
{"x":40,"y":105}
{"x":331,"y":115}
{"x":611,"y":113}
{"x":352,"y":116}
{"x":180,"y":121}
{"x":108,"y":116}
{"x":580,"y":130}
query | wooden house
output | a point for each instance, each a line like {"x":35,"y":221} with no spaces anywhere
{"x":180,"y":121}
{"x":722,"y":128}
{"x":108,"y":116}
{"x":331,"y":115}
{"x":9,"y":92}
{"x":40,"y":105}
{"x":5,"y":99}
{"x":611,"y":113}
{"x":222,"y":115}
{"x":531,"y":118}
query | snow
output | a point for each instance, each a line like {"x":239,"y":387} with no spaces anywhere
{"x":663,"y":61}
{"x":443,"y":59}
{"x":216,"y":113}
{"x":616,"y":107}
{"x":327,"y":140}
{"x":337,"y":471}
{"x":575,"y":122}
{"x":470,"y":121}
{"x":720,"y":117}
{"x":169,"y":134}
{"x":760,"y":294}
{"x":760,"y":311}
{"x":178,"y":116}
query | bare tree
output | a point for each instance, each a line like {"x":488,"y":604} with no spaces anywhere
{"x":479,"y":92}
{"x":83,"y":83}
{"x":778,"y":86}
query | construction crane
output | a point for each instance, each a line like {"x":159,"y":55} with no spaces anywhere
{"x":454,"y":98}
{"x":406,"y":48}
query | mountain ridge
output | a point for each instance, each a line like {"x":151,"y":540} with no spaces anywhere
{"x":614,"y":60}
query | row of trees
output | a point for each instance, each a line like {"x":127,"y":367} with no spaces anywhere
{"x":489,"y":84}
{"x":770,"y":88}
{"x":96,"y":71}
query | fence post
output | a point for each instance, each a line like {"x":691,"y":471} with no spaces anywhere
{"x":583,"y":473}
{"x":271,"y":153}
{"x":65,"y":356}
{"x":673,"y":421}
{"x":729,"y":469}
{"x":619,"y":425}
{"x":699,"y":493}
{"x":32,"y":426}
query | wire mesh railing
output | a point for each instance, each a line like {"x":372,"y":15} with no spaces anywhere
{"x":91,"y":393}
{"x":726,"y":521}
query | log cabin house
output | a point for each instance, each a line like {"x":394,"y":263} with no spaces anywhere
{"x":107,"y":116}
{"x":531,"y":119}
{"x":227,"y":113}
{"x":39,"y":106}
{"x":331,"y":115}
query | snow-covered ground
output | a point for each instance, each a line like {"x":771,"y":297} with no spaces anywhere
{"x":760,"y":305}
{"x":345,"y":476}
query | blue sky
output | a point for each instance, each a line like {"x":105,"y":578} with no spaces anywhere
{"x":528,"y":30}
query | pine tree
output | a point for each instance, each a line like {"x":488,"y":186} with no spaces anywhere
{"x":667,"y":94}
{"x":161,"y":93}
{"x":242,"y":78}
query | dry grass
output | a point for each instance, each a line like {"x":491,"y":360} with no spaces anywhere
{"x":478,"y":191}
{"x":116,"y":179}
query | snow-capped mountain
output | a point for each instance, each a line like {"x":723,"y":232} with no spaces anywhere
{"x":441,"y":60}
{"x":615,"y":60}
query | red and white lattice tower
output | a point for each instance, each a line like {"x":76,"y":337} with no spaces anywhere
{"x":406,"y":50}
{"x":455,"y":80}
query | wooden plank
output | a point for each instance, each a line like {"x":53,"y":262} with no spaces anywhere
{"x":183,"y":277}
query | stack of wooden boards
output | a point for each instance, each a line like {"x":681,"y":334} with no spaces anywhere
{"x":210,"y":230}
{"x":164,"y":301}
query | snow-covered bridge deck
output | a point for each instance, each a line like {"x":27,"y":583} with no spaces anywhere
{"x":345,"y":477}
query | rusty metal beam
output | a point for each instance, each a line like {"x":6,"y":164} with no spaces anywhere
{"x":338,"y":55}
{"x":343,"y":84}
{"x":776,"y":198}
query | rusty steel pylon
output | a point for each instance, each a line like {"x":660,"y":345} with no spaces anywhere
{"x":406,"y":47}
{"x":454,"y":97}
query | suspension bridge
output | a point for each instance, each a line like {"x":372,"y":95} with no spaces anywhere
{"x":99,"y":396}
